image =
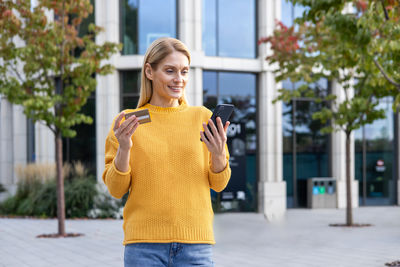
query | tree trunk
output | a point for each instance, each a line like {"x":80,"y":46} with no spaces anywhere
{"x":60,"y":186}
{"x":349,"y":208}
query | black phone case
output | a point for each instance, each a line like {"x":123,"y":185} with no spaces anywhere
{"x":224,"y":111}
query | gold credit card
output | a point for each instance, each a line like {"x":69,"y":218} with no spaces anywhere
{"x":142,"y":115}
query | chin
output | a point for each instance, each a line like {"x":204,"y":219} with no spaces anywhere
{"x":176,"y":96}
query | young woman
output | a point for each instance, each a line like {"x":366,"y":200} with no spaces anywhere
{"x":165,"y":167}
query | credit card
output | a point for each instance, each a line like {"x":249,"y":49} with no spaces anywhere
{"x":142,"y":115}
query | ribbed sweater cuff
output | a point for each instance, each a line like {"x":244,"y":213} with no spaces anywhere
{"x":119,"y":173}
{"x":224,"y":174}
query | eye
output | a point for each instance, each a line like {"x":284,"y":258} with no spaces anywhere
{"x":185,"y":72}
{"x":169,"y":71}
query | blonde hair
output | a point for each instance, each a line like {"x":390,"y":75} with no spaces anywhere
{"x":156,"y":52}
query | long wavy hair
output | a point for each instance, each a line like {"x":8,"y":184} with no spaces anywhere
{"x":156,"y":52}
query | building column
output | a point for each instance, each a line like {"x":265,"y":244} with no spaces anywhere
{"x":396,"y":161}
{"x":44,"y":144}
{"x":339,"y":159}
{"x":13,"y":144}
{"x":6,"y":148}
{"x":107,"y":91}
{"x":190,"y":33}
{"x":271,"y":187}
{"x":19,"y":136}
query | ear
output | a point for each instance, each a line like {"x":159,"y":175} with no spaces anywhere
{"x":148,"y":71}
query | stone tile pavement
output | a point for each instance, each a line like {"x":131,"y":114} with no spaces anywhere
{"x":302,"y":238}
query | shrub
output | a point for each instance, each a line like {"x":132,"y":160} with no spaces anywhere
{"x":79,"y":196}
{"x":2,"y":188}
{"x":106,"y":206}
{"x":37,"y":194}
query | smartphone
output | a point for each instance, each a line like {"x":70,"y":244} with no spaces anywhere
{"x":224,"y":111}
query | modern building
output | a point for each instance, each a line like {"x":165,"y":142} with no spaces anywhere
{"x":275,"y":148}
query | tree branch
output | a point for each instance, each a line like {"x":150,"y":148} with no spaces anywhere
{"x":346,"y":93}
{"x":49,"y":126}
{"x":17,"y":73}
{"x":44,"y":71}
{"x":385,"y":75}
{"x":384,"y":10}
{"x":364,"y":117}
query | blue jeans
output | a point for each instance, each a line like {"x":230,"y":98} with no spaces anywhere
{"x":168,"y":255}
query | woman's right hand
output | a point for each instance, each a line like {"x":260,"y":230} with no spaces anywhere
{"x":123,"y":131}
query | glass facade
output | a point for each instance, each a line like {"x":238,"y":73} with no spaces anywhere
{"x":229,"y":28}
{"x":374,"y":156}
{"x":305,"y":149}
{"x":374,"y":144}
{"x":143,"y":21}
{"x":290,"y":12}
{"x":130,"y":89}
{"x":240,"y":90}
{"x":30,"y":141}
{"x":83,"y":146}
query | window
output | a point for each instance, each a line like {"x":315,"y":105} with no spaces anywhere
{"x":376,"y":140}
{"x":30,"y":141}
{"x":238,"y":89}
{"x":290,"y":12}
{"x":84,"y":27}
{"x":229,"y":28}
{"x":83,"y":146}
{"x":130,"y":89}
{"x":143,"y":21}
{"x":305,"y":148}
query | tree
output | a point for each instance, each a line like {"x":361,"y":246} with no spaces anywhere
{"x":354,"y":43}
{"x":49,"y":69}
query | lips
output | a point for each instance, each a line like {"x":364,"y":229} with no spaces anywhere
{"x":175,"y":88}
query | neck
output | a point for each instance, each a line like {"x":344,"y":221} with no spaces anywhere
{"x":164,"y":103}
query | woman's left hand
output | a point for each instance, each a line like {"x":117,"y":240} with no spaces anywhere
{"x":216,"y":143}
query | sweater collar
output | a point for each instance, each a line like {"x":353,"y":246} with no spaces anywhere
{"x":159,"y":109}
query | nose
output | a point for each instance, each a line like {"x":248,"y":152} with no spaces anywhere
{"x":178,"y":78}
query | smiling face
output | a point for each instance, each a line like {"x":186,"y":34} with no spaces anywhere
{"x":169,"y":79}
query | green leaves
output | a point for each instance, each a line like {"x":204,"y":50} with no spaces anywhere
{"x":49,"y":49}
{"x":358,"y":47}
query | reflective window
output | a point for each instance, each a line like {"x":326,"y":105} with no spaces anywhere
{"x":238,"y":89}
{"x":229,"y":28}
{"x":310,"y":151}
{"x":210,"y":84}
{"x":377,"y":141}
{"x":30,"y":141}
{"x":84,"y":27}
{"x":130,"y":89}
{"x":83,"y":146}
{"x":305,"y":149}
{"x":143,"y":21}
{"x":290,"y":12}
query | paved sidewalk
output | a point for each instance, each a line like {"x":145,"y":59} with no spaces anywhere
{"x":303,"y":238}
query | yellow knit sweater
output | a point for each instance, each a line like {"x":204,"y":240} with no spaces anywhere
{"x":169,"y":178}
